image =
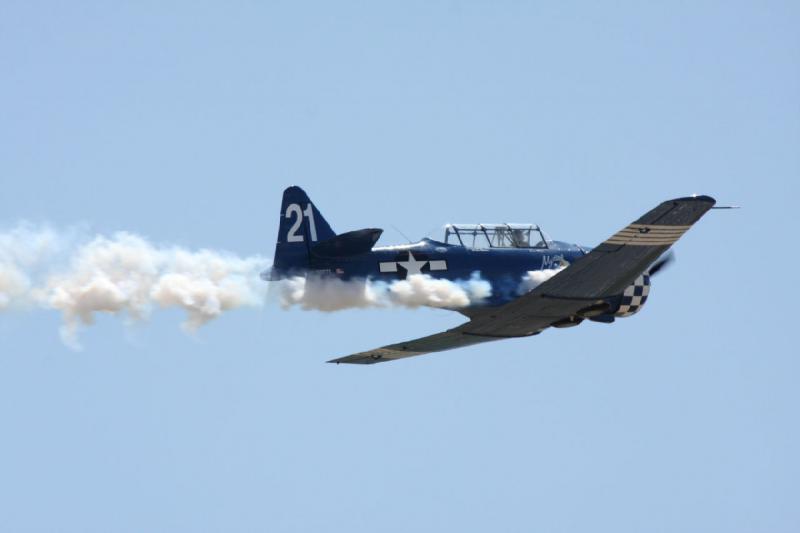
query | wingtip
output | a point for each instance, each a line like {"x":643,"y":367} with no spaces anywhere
{"x":697,"y":198}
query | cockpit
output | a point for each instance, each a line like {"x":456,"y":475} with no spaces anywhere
{"x":487,"y":236}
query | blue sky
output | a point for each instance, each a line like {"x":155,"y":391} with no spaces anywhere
{"x":185,"y":122}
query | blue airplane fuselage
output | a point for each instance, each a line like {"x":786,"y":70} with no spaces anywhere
{"x":504,"y":268}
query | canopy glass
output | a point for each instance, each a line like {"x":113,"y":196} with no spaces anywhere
{"x":487,"y":236}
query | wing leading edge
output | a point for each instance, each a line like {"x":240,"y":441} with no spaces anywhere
{"x":603,"y":272}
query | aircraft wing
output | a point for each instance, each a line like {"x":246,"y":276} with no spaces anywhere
{"x":446,"y":340}
{"x":605,"y":271}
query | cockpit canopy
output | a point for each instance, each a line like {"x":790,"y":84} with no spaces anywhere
{"x":485,"y":236}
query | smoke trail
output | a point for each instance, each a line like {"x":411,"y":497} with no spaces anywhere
{"x":123,"y":275}
{"x":127,"y":275}
{"x":23,"y":250}
{"x":417,"y":290}
{"x":13,"y":285}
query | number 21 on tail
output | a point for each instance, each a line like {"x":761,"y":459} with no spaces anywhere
{"x":296,"y":212}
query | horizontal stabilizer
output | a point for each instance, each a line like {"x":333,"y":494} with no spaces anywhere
{"x":351,"y":243}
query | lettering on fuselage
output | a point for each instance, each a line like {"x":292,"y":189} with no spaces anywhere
{"x":554,"y":261}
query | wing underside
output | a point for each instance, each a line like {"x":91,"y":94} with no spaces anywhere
{"x":603,"y":272}
{"x":439,"y":342}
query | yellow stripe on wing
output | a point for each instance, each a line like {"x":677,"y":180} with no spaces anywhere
{"x":647,"y":235}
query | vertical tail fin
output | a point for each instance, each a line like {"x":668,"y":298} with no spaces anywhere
{"x":301,"y":226}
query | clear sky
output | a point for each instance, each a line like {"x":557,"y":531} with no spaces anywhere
{"x":185,"y":123}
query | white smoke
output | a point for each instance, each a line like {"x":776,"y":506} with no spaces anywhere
{"x":23,"y":250}
{"x":127,"y":275}
{"x":124,"y":275}
{"x":324,"y":294}
{"x":534,"y":278}
{"x":13,"y":285}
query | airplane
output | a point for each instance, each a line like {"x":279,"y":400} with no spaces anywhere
{"x":609,"y":281}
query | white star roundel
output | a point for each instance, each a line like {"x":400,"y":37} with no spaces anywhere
{"x":411,"y":265}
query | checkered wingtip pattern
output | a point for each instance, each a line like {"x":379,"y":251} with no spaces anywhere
{"x":634,"y":297}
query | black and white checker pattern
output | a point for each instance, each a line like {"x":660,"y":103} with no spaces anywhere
{"x":635,"y":296}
